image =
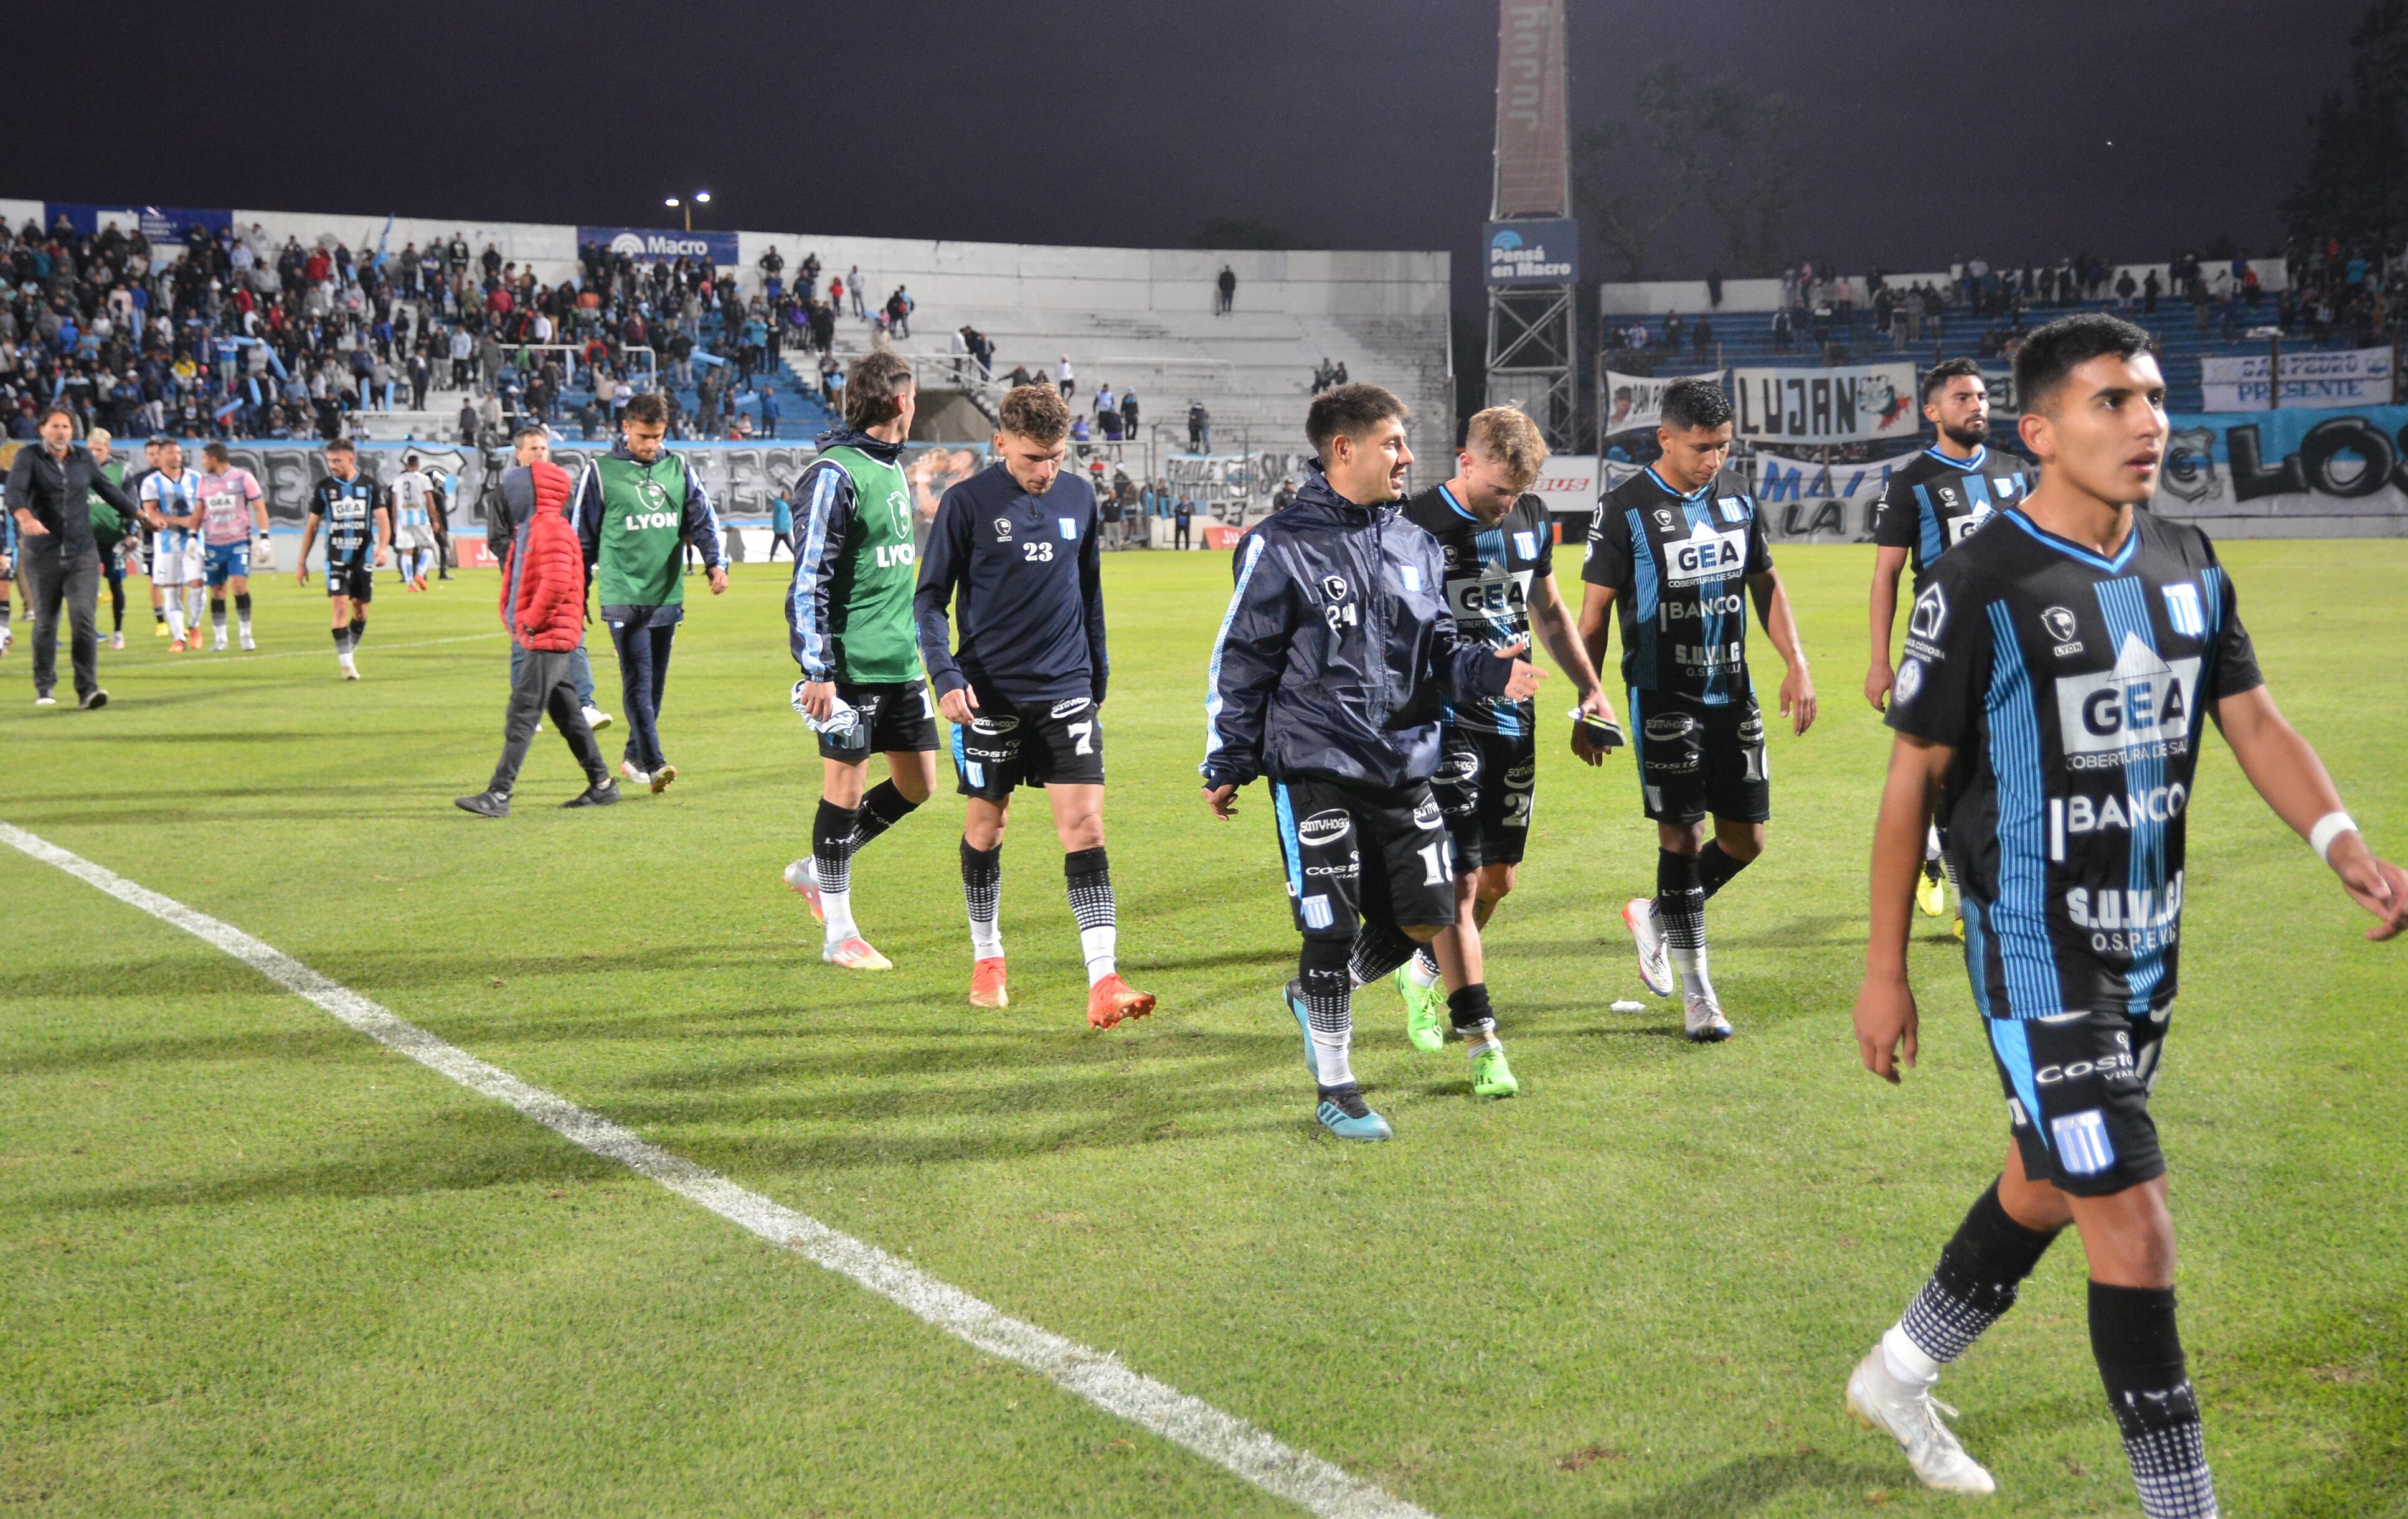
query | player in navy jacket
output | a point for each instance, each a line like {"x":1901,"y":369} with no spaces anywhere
{"x":1332,"y":669}
{"x":1013,"y":551}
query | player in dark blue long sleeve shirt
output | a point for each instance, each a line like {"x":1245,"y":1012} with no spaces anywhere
{"x":1014,"y":553}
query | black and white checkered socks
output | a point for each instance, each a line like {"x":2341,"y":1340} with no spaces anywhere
{"x":1089,"y":879}
{"x":983,"y":892}
{"x":1681,"y":907}
{"x":1329,"y":1008}
{"x":832,"y":847}
{"x":882,"y":808}
{"x":1379,"y":949}
{"x":1975,"y":1281}
{"x":2141,"y":1362}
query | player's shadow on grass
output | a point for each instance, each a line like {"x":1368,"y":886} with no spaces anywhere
{"x":296,"y":1046}
{"x":1753,"y":1482}
{"x":471,"y":1149}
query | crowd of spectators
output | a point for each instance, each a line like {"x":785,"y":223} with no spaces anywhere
{"x":232,"y":333}
{"x":2335,"y":294}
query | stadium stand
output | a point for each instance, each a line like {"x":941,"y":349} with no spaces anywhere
{"x":275,"y":324}
{"x":2316,"y":294}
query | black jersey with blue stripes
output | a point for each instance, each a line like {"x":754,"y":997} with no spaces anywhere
{"x":1678,"y":566}
{"x":2072,"y":688}
{"x":1932,"y":501}
{"x":1492,"y":571}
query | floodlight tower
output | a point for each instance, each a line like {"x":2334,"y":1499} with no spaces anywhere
{"x":1531,"y":254}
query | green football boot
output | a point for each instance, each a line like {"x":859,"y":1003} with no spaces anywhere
{"x":1424,"y":1007}
{"x":1490,"y":1075}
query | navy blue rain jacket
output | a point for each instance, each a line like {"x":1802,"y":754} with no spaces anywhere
{"x":1338,"y":654}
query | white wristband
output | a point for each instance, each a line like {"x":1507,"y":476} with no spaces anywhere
{"x":2329,"y":827}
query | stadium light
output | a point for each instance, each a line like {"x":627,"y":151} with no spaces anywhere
{"x":701,"y":197}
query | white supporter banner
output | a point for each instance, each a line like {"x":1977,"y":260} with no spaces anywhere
{"x":1634,"y":403}
{"x":1855,"y":404}
{"x":1804,"y":500}
{"x":2346,"y":377}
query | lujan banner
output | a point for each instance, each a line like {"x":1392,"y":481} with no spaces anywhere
{"x":1635,"y":403}
{"x":2353,"y":377}
{"x":2336,"y":473}
{"x":1863,"y":403}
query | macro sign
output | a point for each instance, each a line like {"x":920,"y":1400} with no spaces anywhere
{"x":653,"y":245}
{"x":1533,"y":253}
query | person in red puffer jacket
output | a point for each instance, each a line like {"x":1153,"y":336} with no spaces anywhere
{"x":543,"y":606}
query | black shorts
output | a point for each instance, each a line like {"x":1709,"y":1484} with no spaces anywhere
{"x":1485,"y":784}
{"x":1357,"y":853}
{"x":2078,"y":1097}
{"x":895,"y":719}
{"x":352,"y":578}
{"x":1696,"y":758}
{"x":1060,"y":743}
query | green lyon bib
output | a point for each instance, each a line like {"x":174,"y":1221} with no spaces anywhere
{"x":108,"y":527}
{"x":642,"y":558}
{"x":869,"y":598}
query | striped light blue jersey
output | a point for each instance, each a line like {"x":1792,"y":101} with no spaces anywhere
{"x":2072,"y":689}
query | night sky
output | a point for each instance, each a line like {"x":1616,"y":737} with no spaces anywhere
{"x":1925,"y":130}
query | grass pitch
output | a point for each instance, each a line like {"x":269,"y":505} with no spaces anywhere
{"x":257,"y":1265}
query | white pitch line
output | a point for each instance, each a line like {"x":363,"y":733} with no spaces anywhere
{"x":1223,"y":1439}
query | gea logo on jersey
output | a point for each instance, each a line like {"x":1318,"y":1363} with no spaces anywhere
{"x":2143,"y":701}
{"x":1706,"y":555}
{"x":1493,"y":595}
{"x":1966,"y":526}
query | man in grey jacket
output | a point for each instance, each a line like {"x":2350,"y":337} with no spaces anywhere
{"x":49,"y":489}
{"x":509,"y":507}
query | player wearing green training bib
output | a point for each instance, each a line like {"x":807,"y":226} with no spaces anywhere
{"x":637,"y":506}
{"x":108,"y":530}
{"x":849,"y":626}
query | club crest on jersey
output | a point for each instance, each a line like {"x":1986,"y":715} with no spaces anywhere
{"x":1068,"y":525}
{"x":2183,"y":609}
{"x":1003,"y":530}
{"x":1333,"y":588}
{"x":1931,"y":614}
{"x":1908,"y":681}
{"x":2060,"y":626}
{"x":1526,"y":544}
{"x":1705,"y":555}
{"x":1663,"y":519}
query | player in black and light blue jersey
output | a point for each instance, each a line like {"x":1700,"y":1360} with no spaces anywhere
{"x":1496,"y":543}
{"x":1678,"y":555}
{"x":2050,"y":708}
{"x":1933,"y":502}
